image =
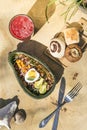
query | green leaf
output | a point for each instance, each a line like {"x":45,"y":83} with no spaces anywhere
{"x":49,"y":4}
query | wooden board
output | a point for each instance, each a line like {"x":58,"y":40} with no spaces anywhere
{"x":64,"y":61}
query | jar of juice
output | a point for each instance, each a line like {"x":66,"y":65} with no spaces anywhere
{"x":21,"y":27}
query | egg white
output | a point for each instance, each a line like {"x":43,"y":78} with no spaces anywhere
{"x":31,"y":81}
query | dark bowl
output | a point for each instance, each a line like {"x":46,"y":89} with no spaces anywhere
{"x":11,"y":59}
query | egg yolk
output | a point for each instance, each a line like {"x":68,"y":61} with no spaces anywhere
{"x":32,"y":74}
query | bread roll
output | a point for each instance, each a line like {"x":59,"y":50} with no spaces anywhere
{"x":71,"y":35}
{"x":57,"y":48}
{"x":73,"y":53}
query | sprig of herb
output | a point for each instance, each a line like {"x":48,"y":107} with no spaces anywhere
{"x":71,"y":10}
{"x":52,"y":2}
{"x":48,"y":5}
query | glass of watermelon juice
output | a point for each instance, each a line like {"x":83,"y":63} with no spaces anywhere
{"x":21,"y":27}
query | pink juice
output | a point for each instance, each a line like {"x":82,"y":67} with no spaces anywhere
{"x":21,"y":27}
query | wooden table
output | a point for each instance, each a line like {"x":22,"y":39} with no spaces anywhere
{"x":73,"y":115}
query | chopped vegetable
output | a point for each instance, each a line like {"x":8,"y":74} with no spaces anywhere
{"x":35,"y":77}
{"x":42,"y":89}
{"x":39,"y":83}
{"x":22,"y":66}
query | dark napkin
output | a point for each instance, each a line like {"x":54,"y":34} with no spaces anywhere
{"x":36,"y":49}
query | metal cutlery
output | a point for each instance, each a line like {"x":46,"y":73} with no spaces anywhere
{"x":68,"y":98}
{"x":60,"y":99}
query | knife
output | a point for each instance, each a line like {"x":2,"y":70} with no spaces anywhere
{"x":60,"y":98}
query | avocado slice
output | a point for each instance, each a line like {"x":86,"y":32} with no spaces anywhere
{"x":38,"y":83}
{"x":42,"y":89}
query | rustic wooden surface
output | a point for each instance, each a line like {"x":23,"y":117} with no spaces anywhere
{"x":73,"y":115}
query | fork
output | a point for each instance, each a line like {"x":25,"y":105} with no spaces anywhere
{"x":68,"y":98}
